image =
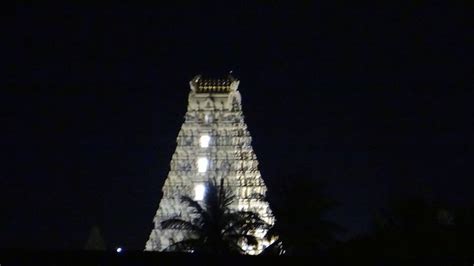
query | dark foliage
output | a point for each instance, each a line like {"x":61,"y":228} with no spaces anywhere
{"x":414,"y":228}
{"x":299,"y":206}
{"x":95,"y":241}
{"x":215,"y":228}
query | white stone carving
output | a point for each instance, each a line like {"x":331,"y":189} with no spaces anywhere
{"x":215,"y":112}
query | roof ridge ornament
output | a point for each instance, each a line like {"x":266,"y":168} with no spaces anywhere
{"x":214,"y":85}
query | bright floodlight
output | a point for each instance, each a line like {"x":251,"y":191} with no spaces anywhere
{"x":199,"y":191}
{"x":204,"y":141}
{"x":202,"y":164}
{"x":119,"y":250}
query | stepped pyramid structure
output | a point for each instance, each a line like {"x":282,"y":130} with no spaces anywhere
{"x":213,"y":143}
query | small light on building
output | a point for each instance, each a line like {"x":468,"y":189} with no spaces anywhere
{"x":119,"y":250}
{"x":199,"y":191}
{"x":207,"y":118}
{"x":202,"y":164}
{"x":204,"y":141}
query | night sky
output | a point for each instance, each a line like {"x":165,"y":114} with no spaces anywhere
{"x":374,"y":100}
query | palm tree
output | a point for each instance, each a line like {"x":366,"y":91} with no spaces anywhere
{"x":215,"y":228}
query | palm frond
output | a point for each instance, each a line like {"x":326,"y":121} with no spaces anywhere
{"x":187,"y":245}
{"x":193,"y":204}
{"x":176,"y":223}
{"x":258,"y":196}
{"x":249,"y":239}
{"x":244,"y":221}
{"x":276,"y":248}
{"x":227,"y":200}
{"x":220,"y":195}
{"x":219,"y":229}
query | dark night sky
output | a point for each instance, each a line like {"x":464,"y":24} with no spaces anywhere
{"x":376,"y":100}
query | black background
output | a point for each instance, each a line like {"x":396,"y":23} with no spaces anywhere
{"x":374,"y":100}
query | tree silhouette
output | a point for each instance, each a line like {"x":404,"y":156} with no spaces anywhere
{"x":95,"y":240}
{"x":464,"y":230}
{"x":413,"y":227}
{"x":299,"y":206}
{"x":215,"y":228}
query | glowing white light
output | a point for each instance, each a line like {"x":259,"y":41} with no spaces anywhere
{"x":202,"y":164}
{"x":119,"y":250}
{"x":204,"y":141}
{"x":199,"y":191}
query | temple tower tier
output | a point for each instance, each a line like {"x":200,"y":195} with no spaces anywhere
{"x":213,"y":143}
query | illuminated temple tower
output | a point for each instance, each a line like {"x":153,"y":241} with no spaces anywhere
{"x":213,"y":143}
